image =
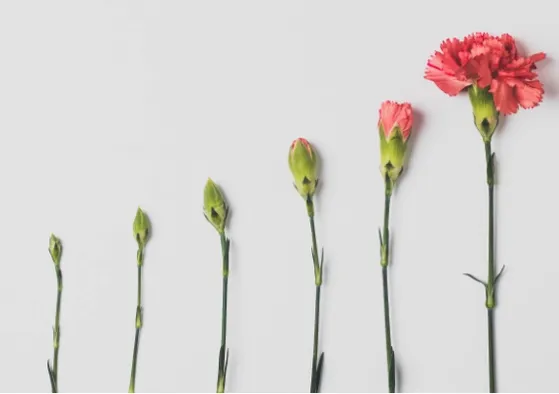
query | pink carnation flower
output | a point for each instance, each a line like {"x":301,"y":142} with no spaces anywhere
{"x":487,"y":61}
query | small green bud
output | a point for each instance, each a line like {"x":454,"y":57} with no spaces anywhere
{"x":141,"y":228}
{"x":215,"y":208}
{"x":303,"y":163}
{"x":55,"y":249}
{"x":486,"y":116}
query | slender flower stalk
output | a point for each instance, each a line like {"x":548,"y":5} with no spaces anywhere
{"x":303,"y":163}
{"x":491,"y":280}
{"x":223,"y":351}
{"x":385,"y":251}
{"x":498,"y":81}
{"x":316,"y":361}
{"x":141,"y":231}
{"x":216,"y":212}
{"x":55,"y":250}
{"x":395,"y":123}
{"x":486,"y":129}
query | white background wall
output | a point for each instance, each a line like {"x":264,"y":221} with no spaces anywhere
{"x":107,"y":105}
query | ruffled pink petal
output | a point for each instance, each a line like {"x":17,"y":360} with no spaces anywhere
{"x":509,"y":45}
{"x":503,"y":94}
{"x":446,"y":67}
{"x":405,"y":120}
{"x":447,"y":82}
{"x":529,"y":93}
{"x":480,"y":71}
{"x":536,"y":57}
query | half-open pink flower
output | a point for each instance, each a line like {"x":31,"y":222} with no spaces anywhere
{"x":394,"y":124}
{"x":392,"y":116}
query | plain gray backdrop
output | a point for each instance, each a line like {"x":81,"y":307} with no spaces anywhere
{"x":110,"y":105}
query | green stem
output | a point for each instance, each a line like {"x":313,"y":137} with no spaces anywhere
{"x":131,"y":388}
{"x":225,"y":290}
{"x":490,"y":183}
{"x":387,"y":334}
{"x":314,"y":383}
{"x":313,"y":236}
{"x":139,"y":322}
{"x":56,"y":333}
{"x":316,"y":368}
{"x":491,"y":351}
{"x":222,"y":369}
{"x":384,"y":263}
{"x":490,"y":291}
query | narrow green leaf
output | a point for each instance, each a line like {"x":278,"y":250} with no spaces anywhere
{"x":225,"y":367}
{"x":221,"y":359}
{"x":476,"y":279}
{"x":499,"y":274}
{"x":314,"y":258}
{"x":52,"y":378}
{"x":392,"y":372}
{"x":318,"y":374}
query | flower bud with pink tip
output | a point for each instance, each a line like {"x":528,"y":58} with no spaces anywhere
{"x":395,"y":124}
{"x":303,"y":163}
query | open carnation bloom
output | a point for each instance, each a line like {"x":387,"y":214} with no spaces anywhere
{"x":490,"y":62}
{"x":498,"y":81}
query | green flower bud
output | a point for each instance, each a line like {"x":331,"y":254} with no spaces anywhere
{"x":303,"y":163}
{"x":486,"y":116}
{"x":215,"y":208}
{"x":55,"y":249}
{"x":141,"y":227}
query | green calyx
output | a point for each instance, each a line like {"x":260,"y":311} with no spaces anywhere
{"x":392,"y":154}
{"x":303,"y":163}
{"x":486,"y":116}
{"x":215,"y":208}
{"x":141,"y":227}
{"x":55,"y":249}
